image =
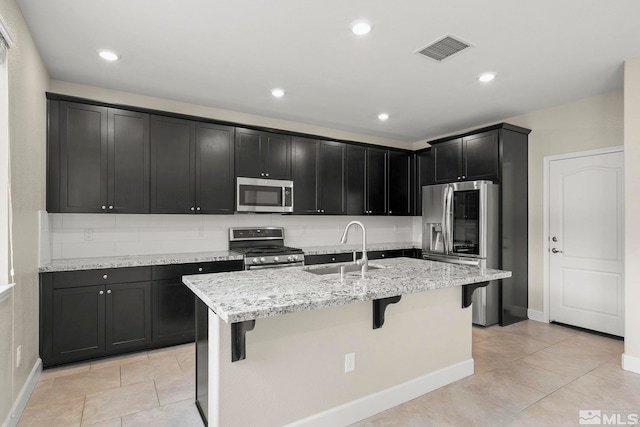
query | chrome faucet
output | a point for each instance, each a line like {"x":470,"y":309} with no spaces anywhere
{"x":364,"y":261}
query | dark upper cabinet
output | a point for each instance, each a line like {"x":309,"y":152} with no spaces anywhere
{"x":448,"y":161}
{"x":128,"y":165}
{"x":481,"y":158}
{"x":98,"y":159}
{"x":331,"y":177}
{"x":424,"y":175}
{"x":356,"y":180}
{"x":367,"y":180}
{"x":191,"y":167}
{"x":262,"y":154}
{"x":376,"y":181}
{"x":318,"y":175}
{"x":399,"y":185}
{"x":215,"y":179}
{"x":468,"y":158}
{"x":172,"y":165}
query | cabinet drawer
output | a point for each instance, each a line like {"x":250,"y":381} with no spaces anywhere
{"x":395,"y":253}
{"x":163,"y":272}
{"x":105,"y":276}
{"x":328,"y":258}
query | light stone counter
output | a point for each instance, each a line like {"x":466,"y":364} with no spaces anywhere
{"x":74,"y":264}
{"x":253,"y":294}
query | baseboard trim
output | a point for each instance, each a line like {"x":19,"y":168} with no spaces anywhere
{"x":631,"y":363}
{"x":536,"y":315}
{"x":23,"y":397}
{"x":372,"y":404}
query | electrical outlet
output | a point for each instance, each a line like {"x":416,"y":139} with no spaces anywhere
{"x":18,"y":356}
{"x":88,"y":234}
{"x":349,"y":362}
{"x":395,"y":228}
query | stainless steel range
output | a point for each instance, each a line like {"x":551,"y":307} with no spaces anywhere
{"x":264,"y":248}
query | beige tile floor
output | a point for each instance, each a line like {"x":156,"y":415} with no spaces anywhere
{"x":154,"y":388}
{"x":527,"y":374}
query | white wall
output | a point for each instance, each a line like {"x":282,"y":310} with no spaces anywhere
{"x":631,"y":360}
{"x":28,"y":82}
{"x":93,"y":235}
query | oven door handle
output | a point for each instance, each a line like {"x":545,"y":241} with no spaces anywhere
{"x":265,"y":266}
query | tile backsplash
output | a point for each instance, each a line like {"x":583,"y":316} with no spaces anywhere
{"x":93,"y":235}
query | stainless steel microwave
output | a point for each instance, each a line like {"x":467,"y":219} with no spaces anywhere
{"x":264,"y":195}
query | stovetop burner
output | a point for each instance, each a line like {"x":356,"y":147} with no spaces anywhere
{"x":264,"y":247}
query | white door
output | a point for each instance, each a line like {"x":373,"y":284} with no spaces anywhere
{"x":586,"y":225}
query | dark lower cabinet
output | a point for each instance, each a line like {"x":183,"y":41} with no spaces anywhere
{"x":78,"y":323}
{"x":89,"y":314}
{"x":173,"y":302}
{"x":128,"y":316}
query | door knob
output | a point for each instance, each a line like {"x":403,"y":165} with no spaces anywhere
{"x":554,"y":239}
{"x":555,"y":251}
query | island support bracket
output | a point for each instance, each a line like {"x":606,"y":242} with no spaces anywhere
{"x":238,"y":331}
{"x":467,"y":292}
{"x":379,"y":307}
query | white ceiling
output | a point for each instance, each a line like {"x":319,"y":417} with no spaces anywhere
{"x":230,"y":53}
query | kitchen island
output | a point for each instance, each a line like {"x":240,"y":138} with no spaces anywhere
{"x":296,"y":328}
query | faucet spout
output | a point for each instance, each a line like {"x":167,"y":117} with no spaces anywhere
{"x":364,"y":261}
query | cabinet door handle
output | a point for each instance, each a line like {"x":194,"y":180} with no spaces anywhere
{"x":333,"y":258}
{"x":458,"y":177}
{"x":261,"y":173}
{"x":266,"y":174}
{"x":200,"y":269}
{"x":104,"y":276}
{"x":104,"y":208}
{"x":108,"y":291}
{"x":110,"y":207}
{"x":198,"y":208}
{"x":101,"y":293}
{"x":390,"y":212}
{"x":382,"y":255}
{"x":193,"y":208}
{"x":463,"y":177}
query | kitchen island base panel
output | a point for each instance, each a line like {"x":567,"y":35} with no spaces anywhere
{"x":294,"y":370}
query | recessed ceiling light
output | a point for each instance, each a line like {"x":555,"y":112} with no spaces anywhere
{"x":383,"y":116}
{"x":486,"y":77}
{"x":278,"y":93}
{"x":361,"y":28}
{"x":108,"y":55}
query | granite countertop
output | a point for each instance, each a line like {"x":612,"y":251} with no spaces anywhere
{"x":73,"y":264}
{"x":338,"y":248}
{"x":254,"y":294}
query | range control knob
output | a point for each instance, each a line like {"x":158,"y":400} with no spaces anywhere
{"x":263,"y":259}
{"x":276,"y":259}
{"x":255,"y":261}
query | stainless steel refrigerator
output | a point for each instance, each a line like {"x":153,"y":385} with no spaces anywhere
{"x":460,"y":224}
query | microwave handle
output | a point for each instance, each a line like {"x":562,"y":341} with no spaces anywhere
{"x":284,"y":195}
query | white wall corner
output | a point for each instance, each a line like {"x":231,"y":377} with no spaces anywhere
{"x":537,"y":315}
{"x":631,"y":363}
{"x":23,"y":397}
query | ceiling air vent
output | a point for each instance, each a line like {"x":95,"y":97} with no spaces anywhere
{"x":444,"y":48}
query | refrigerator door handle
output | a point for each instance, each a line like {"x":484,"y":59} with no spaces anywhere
{"x":449,"y":225}
{"x":445,"y":229}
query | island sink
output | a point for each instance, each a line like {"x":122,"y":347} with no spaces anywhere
{"x":337,"y":269}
